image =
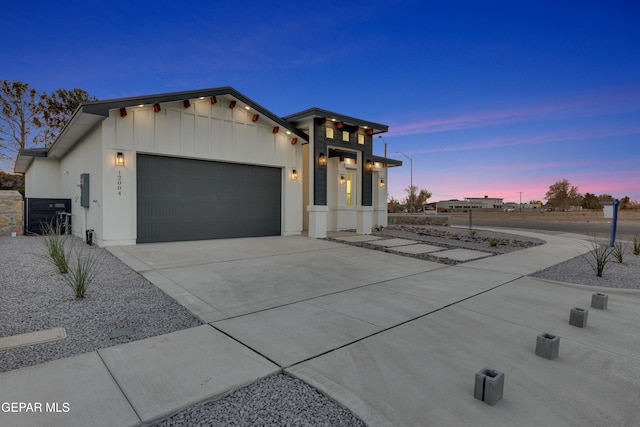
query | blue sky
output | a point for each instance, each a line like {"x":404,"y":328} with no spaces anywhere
{"x":488,"y":98}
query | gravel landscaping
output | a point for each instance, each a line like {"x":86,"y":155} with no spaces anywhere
{"x":276,"y":400}
{"x":34,"y":298}
{"x":579,"y":270}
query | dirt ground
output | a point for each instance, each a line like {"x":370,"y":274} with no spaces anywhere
{"x":585,"y":216}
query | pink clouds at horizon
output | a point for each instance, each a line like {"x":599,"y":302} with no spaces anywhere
{"x":616,"y":183}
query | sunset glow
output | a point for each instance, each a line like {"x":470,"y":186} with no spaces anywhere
{"x":488,"y":98}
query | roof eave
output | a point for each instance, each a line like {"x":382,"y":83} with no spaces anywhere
{"x":330,"y":115}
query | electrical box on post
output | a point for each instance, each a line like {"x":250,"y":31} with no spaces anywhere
{"x":84,"y":190}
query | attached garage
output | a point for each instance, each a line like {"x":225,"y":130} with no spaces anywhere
{"x":187,"y":199}
{"x":209,"y":164}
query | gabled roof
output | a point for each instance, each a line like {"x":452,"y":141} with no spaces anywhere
{"x":330,"y":115}
{"x":89,"y":114}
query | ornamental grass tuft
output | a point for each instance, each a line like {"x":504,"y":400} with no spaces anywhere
{"x":57,"y":251}
{"x":85,"y":266}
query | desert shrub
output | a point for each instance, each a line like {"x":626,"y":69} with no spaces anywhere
{"x":473,"y":232}
{"x":493,"y":242}
{"x":57,"y":251}
{"x":84,"y":268}
{"x":599,"y":257}
{"x":636,"y":244}
{"x":619,"y":250}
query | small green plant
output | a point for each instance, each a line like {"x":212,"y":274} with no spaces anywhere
{"x":600,"y":256}
{"x":378,"y":227}
{"x":636,"y":244}
{"x":493,"y":242}
{"x":619,"y":250}
{"x":83,"y":270}
{"x":473,"y":232}
{"x":55,"y":244}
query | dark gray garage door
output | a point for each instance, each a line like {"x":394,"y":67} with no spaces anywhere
{"x":184,"y":199}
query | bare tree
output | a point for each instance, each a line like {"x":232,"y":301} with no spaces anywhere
{"x":19,"y":121}
{"x":57,"y":109}
{"x":29,"y":119}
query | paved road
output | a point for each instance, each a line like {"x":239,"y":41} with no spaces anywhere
{"x":625,"y":231}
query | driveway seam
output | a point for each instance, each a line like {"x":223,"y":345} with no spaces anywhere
{"x":404,"y":322}
{"x":119,"y":387}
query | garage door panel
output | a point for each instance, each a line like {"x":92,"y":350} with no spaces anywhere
{"x":185,"y":199}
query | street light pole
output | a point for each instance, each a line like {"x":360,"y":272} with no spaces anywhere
{"x":411,"y":187}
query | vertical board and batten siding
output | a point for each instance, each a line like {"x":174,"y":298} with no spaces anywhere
{"x":203,"y":131}
{"x":200,"y":132}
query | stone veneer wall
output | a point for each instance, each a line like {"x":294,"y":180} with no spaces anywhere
{"x":11,"y":213}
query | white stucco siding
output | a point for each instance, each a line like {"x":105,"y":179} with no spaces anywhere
{"x":85,"y":157}
{"x":42,"y":179}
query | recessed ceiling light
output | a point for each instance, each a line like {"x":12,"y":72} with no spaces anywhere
{"x":202,"y":97}
{"x":288,"y":132}
{"x":366,"y":127}
{"x":333,"y":120}
{"x":247,"y":107}
{"x":140,"y":105}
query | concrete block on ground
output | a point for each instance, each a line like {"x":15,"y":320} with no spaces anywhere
{"x":547,"y":346}
{"x":578,"y":317}
{"x":599,"y":301}
{"x":489,"y":386}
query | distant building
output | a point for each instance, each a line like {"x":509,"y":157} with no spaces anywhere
{"x":470,"y":203}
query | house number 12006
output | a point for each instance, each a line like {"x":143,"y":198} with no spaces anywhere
{"x":119,"y":183}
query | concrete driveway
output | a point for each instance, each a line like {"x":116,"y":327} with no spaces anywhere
{"x":398,"y":340}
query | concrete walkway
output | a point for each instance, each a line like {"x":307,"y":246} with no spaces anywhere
{"x":394,"y":339}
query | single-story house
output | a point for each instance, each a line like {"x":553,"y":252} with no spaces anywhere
{"x":209,"y":164}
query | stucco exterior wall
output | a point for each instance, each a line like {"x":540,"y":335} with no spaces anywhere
{"x":43,"y":179}
{"x":85,"y":157}
{"x":11,"y":213}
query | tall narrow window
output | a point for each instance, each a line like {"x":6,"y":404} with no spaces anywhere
{"x":345,"y":136}
{"x":349,"y":189}
{"x":360,"y":139}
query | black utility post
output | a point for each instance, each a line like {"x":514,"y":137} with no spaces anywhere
{"x":470,"y":219}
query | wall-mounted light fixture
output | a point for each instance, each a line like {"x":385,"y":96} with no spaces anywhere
{"x":382,"y":183}
{"x":156,"y":108}
{"x":119,"y":159}
{"x":322,"y":160}
{"x":369,"y":165}
{"x":342,"y":180}
{"x":255,"y":117}
{"x":123,"y":112}
{"x":276,"y":129}
{"x":186,"y":103}
{"x":294,"y":141}
{"x":294,"y":175}
{"x":340,"y":125}
{"x":213,"y":100}
{"x":232,"y":104}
